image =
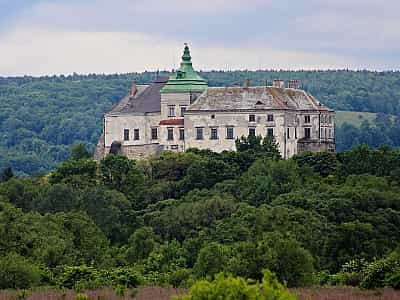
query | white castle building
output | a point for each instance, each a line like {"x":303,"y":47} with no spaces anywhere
{"x":182,"y":112}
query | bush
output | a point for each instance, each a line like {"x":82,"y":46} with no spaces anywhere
{"x":16,"y":272}
{"x":180,"y":278}
{"x":79,"y":278}
{"x":377,"y":273}
{"x":228,"y":287}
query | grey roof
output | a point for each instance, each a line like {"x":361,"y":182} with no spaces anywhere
{"x":252,"y":98}
{"x":146,"y":100}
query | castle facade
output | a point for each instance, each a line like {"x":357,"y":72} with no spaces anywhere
{"x":182,"y":112}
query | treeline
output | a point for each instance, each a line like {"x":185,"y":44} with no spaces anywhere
{"x":383,"y":131}
{"x":40,"y":118}
{"x":315,"y":219}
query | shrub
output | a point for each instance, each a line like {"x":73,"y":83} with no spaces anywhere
{"x":16,"y":272}
{"x":180,"y":278}
{"x":228,"y":287}
{"x":375,"y":275}
{"x":79,"y":278}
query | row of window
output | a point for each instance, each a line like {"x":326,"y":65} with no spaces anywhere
{"x":325,"y":133}
{"x":252,"y":118}
{"x":171,"y":110}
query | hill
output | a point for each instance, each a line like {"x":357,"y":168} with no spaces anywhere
{"x":315,"y":219}
{"x":40,"y":118}
{"x":354,"y":118}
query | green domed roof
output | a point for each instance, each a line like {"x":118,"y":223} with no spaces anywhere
{"x":186,"y":78}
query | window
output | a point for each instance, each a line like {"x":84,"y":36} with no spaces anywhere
{"x":330,"y":133}
{"x":154,"y":133}
{"x":252,"y":131}
{"x":171,"y":110}
{"x":330,"y":119}
{"x":307,"y":133}
{"x":288,"y":133}
{"x":199,"y":133}
{"x":170,"y":135}
{"x":295,"y":132}
{"x":126,"y":134}
{"x":229,"y":133}
{"x":181,"y":134}
{"x":183,"y":110}
{"x":270,"y":118}
{"x":136,"y":134}
{"x":214,"y":134}
{"x":270,"y":132}
{"x":212,"y":116}
{"x":307,"y":119}
{"x":252,"y":118}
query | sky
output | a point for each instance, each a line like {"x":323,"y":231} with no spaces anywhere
{"x":43,"y":37}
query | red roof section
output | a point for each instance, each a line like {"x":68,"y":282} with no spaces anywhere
{"x":172,"y":122}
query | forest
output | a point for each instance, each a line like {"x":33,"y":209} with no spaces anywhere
{"x":41,"y":118}
{"x":316,"y":219}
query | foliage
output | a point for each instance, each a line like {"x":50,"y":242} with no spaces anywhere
{"x":228,"y":287}
{"x":318,"y":218}
{"x":16,"y":272}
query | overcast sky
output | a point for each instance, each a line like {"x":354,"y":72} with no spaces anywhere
{"x":40,"y":37}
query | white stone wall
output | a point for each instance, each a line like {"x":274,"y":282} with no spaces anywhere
{"x":114,"y":126}
{"x":288,"y":128}
{"x":176,"y":99}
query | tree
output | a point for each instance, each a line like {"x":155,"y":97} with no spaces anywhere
{"x":211,"y":260}
{"x":16,"y":272}
{"x":287,"y":259}
{"x":141,"y":244}
{"x":120,"y":173}
{"x":79,"y":151}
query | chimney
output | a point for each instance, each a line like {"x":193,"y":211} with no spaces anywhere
{"x":247,"y":83}
{"x":278,"y":83}
{"x":133,"y":90}
{"x":294,"y":84}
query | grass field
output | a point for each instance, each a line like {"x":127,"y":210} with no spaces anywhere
{"x":354,"y":118}
{"x":156,"y":293}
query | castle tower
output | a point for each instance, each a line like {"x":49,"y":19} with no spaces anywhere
{"x":182,"y":88}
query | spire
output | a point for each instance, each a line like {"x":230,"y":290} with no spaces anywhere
{"x":186,"y":78}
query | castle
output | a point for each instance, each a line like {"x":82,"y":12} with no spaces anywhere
{"x":182,"y":112}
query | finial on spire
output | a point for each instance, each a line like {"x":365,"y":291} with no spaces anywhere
{"x":186,"y":53}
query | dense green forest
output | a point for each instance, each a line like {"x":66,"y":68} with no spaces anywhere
{"x":40,"y":118}
{"x":314,"y":219}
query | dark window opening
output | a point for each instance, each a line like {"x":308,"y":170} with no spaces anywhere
{"x":199,"y":133}
{"x":212,"y":116}
{"x":136,"y":134}
{"x":288,"y":133}
{"x":252,"y":118}
{"x":170,"y":135}
{"x":171,"y":111}
{"x":270,"y":118}
{"x":270,"y":132}
{"x":307,"y":119}
{"x":154,"y":133}
{"x":126,"y":134}
{"x":252,"y":132}
{"x":181,"y":134}
{"x":229,"y":133}
{"x":183,"y":110}
{"x":307,"y":133}
{"x":214,"y":134}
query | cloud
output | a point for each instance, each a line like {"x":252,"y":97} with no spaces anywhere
{"x":39,"y":51}
{"x":62,"y":36}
